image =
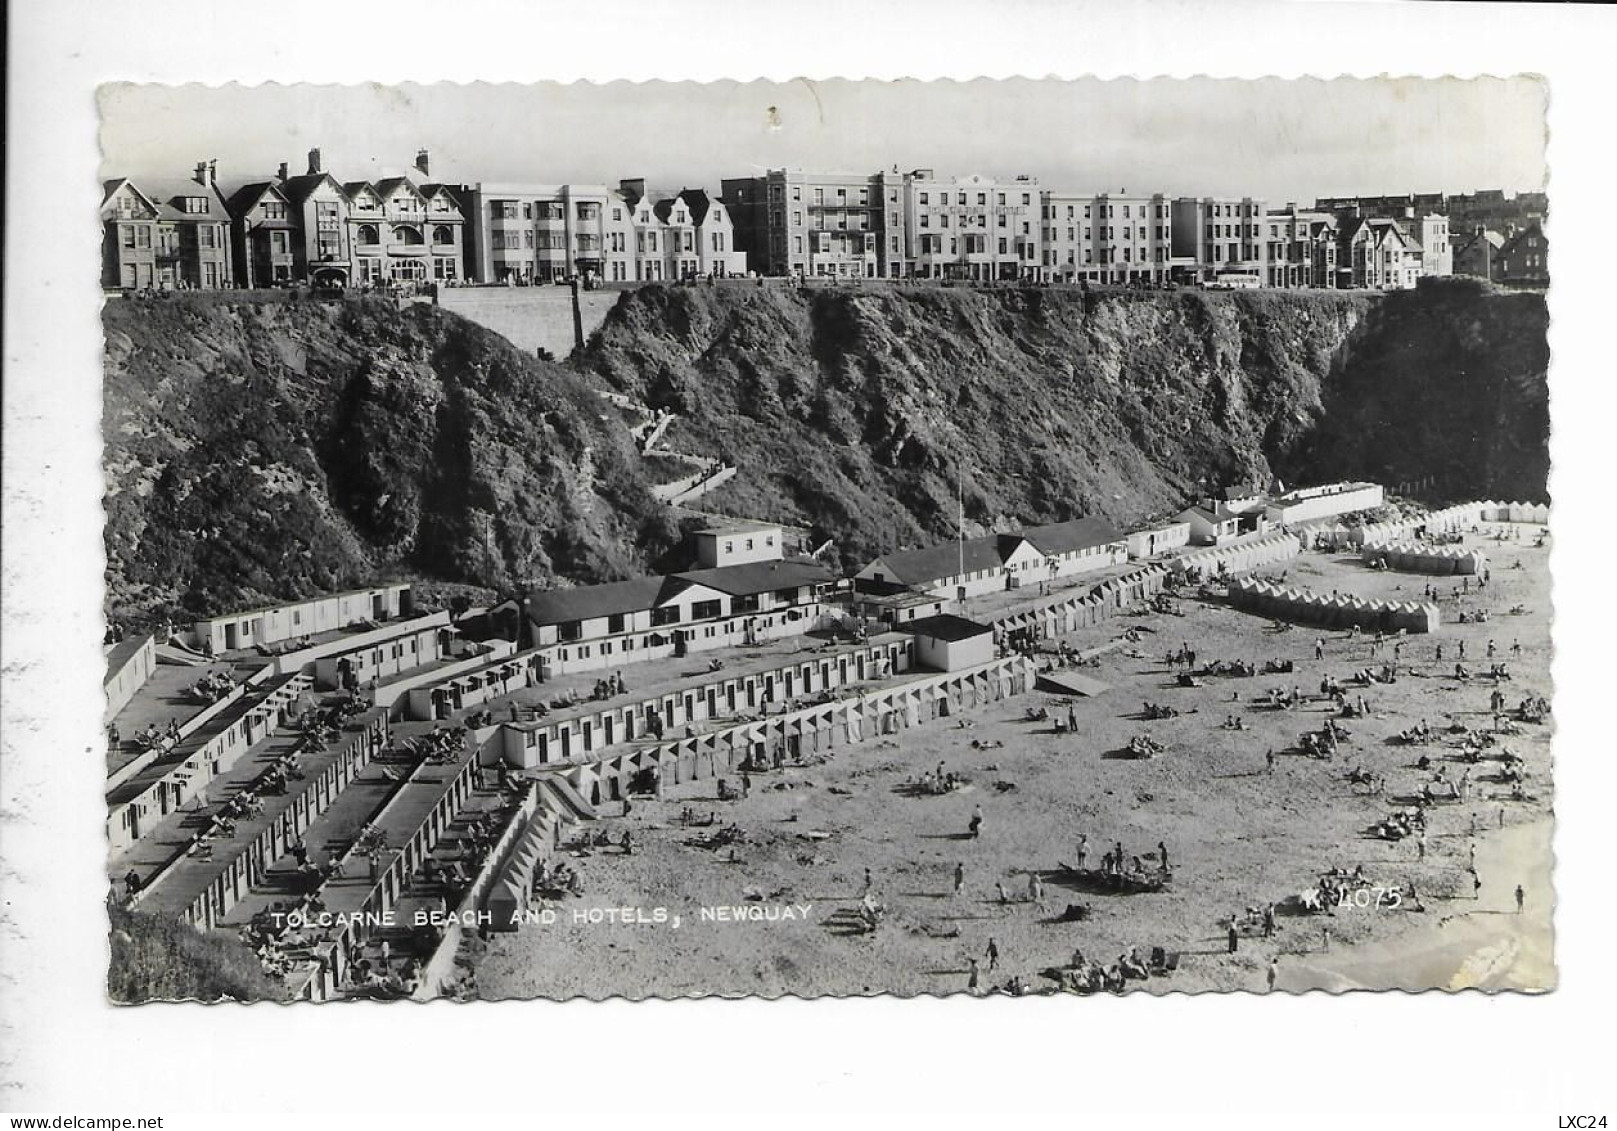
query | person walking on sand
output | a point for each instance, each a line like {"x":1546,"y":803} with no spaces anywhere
{"x":1234,"y":937}
{"x":1274,"y":972}
{"x":1269,"y":761}
{"x":1083,"y":850}
{"x":869,"y":882}
{"x":972,"y":976}
{"x":1162,"y":853}
{"x":1521,"y":898}
{"x":1325,"y":937}
{"x":959,"y":878}
{"x":1319,"y":649}
{"x":975,"y":827}
{"x":1035,"y":890}
{"x":993,"y":954}
{"x":1420,"y":846}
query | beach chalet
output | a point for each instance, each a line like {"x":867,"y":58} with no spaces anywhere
{"x":1158,"y":540}
{"x":947,"y":643}
{"x":1077,"y":546}
{"x":399,"y":651}
{"x":654,"y":617}
{"x":956,"y":570}
{"x":130,"y":664}
{"x":1306,"y":504}
{"x":972,"y":567}
{"x":275,"y":623}
{"x":737,"y":544}
{"x":1211,"y":522}
{"x":893,"y":609}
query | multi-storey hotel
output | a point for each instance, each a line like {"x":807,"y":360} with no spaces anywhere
{"x":1301,"y":247}
{"x":972,"y":227}
{"x":166,"y":234}
{"x":552,"y":233}
{"x":820,"y":224}
{"x":317,"y":229}
{"x":1221,"y":235}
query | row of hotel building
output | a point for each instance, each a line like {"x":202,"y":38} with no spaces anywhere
{"x":408,"y":229}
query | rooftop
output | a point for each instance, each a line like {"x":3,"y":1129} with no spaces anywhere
{"x":1070,"y":537}
{"x":945,"y":626}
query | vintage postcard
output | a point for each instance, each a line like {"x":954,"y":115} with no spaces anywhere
{"x":826,"y":538}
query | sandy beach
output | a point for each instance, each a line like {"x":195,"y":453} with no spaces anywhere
{"x":1238,"y":834}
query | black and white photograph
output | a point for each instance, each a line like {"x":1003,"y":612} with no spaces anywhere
{"x":772,"y":562}
{"x":813,"y":542}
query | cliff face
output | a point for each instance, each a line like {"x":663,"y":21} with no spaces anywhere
{"x":859,"y":412}
{"x":258,"y":452}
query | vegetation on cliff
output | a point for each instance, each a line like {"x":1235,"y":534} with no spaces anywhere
{"x":864,"y":412}
{"x":263,"y":451}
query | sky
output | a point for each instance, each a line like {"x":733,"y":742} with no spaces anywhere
{"x":1284,"y":140}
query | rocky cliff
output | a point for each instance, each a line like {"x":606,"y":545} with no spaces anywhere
{"x":259,"y":451}
{"x":864,"y":412}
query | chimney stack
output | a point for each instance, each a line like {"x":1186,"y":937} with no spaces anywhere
{"x":280,"y":174}
{"x":213,"y":170}
{"x":421,"y":160}
{"x":314,"y":161}
{"x":201,"y":174}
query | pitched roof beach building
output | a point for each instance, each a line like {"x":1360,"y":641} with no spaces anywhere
{"x":971,"y":567}
{"x":649,"y":618}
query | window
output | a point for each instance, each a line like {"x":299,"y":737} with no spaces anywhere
{"x":505,"y":209}
{"x":665,"y":616}
{"x":443,"y":234}
{"x":923,"y":198}
{"x":369,"y":236}
{"x":407,"y":235}
{"x":273,"y":210}
{"x":705,"y":610}
{"x":570,"y":631}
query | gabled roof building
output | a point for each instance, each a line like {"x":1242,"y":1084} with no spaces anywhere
{"x":165,"y":234}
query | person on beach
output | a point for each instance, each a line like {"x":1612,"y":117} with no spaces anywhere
{"x":869,"y":882}
{"x":972,"y":976}
{"x":1521,"y":898}
{"x":1274,"y":972}
{"x":999,"y":890}
{"x":959,"y":878}
{"x":1162,"y":851}
{"x":975,"y":827}
{"x":1319,"y":649}
{"x":1035,"y":890}
{"x":1083,"y":849}
{"x":1234,"y":937}
{"x":993,"y":954}
{"x":1269,"y":761}
{"x":1325,"y":937}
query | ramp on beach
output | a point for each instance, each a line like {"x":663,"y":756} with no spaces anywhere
{"x":1071,"y":683}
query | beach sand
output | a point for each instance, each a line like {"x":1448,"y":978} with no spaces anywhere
{"x":1238,"y":836}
